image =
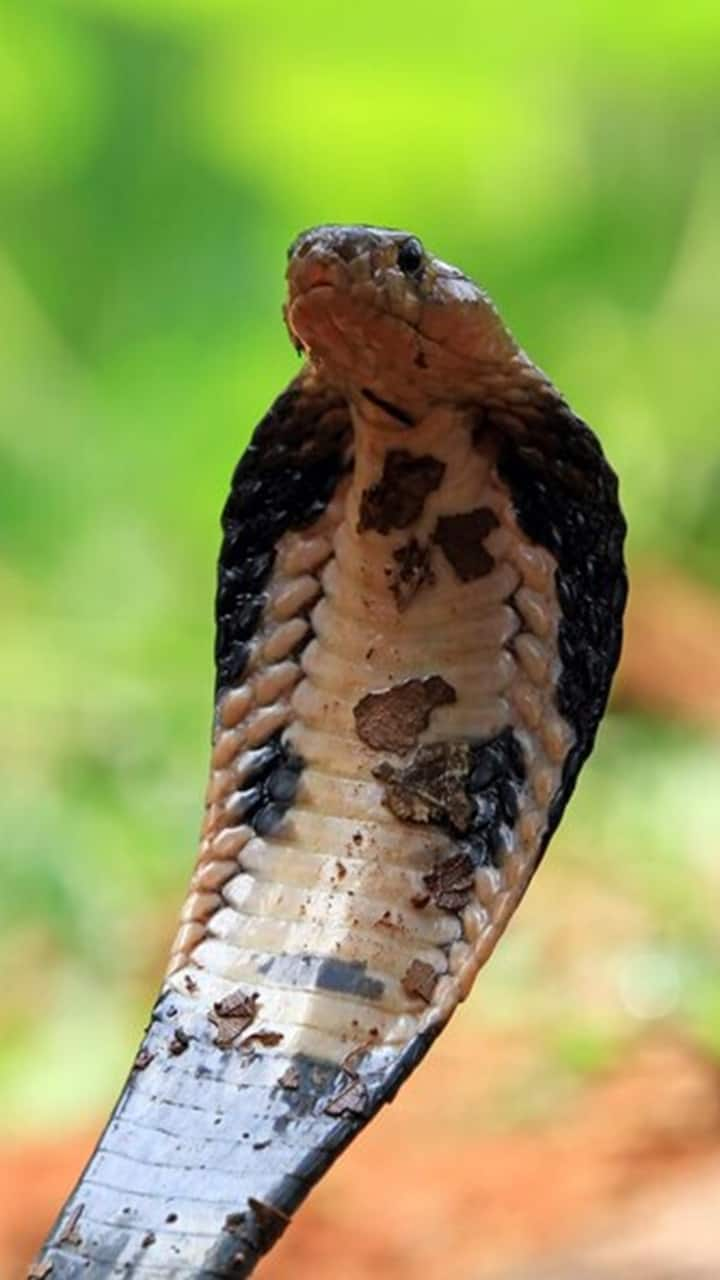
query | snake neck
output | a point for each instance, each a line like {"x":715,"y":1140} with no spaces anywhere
{"x":405,"y":652}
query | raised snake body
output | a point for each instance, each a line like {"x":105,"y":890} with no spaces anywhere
{"x":419,"y":611}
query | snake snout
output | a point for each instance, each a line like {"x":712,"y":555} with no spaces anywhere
{"x":316,"y":258}
{"x":343,"y":242}
{"x":382,"y":248}
{"x":321,"y":246}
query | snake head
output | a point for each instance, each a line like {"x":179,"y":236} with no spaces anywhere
{"x":384,"y":319}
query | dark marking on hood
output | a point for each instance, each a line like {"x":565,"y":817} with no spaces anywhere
{"x":232,"y":1015}
{"x":393,"y":719}
{"x":461,"y":538}
{"x":451,"y":882}
{"x":349,"y":977}
{"x":269,"y":786}
{"x":412,"y":571}
{"x":432,"y":786}
{"x":398,"y":497}
{"x":468,"y":789}
{"x":420,"y":980}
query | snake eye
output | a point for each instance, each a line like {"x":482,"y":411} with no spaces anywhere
{"x":410,"y":256}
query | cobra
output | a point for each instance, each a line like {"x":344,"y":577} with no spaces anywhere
{"x":419,"y":612}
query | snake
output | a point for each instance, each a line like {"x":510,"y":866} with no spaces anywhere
{"x":420,"y":595}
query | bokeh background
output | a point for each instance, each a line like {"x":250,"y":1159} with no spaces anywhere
{"x":156,"y":157}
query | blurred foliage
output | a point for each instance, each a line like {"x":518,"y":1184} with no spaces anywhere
{"x":156,"y":157}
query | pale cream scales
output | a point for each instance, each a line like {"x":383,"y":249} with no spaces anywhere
{"x":287,"y":896}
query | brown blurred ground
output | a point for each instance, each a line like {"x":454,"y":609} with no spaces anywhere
{"x":670,"y":1233}
{"x":621,"y":1181}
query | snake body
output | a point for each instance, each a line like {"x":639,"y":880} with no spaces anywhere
{"x":419,"y":612}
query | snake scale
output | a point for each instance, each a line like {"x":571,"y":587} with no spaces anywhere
{"x":419,"y":612}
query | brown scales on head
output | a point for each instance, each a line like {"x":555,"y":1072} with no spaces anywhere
{"x":379,"y":315}
{"x":419,"y":606}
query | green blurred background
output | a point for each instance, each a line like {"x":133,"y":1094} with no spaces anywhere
{"x":156,"y":158}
